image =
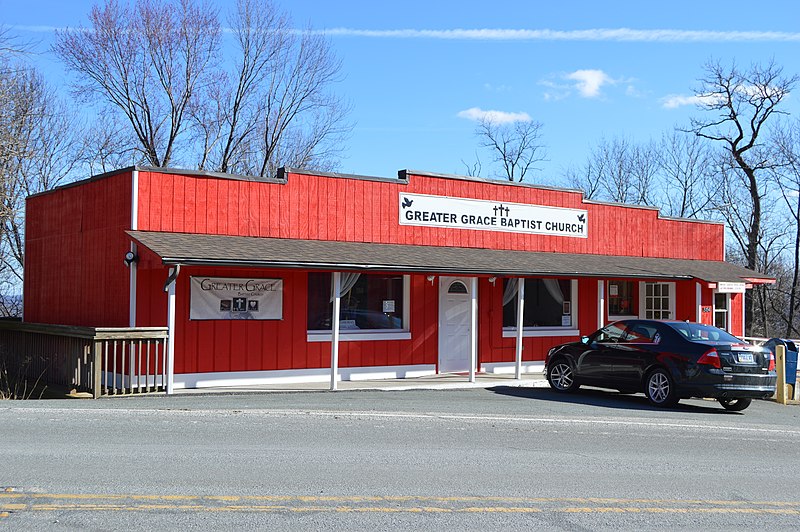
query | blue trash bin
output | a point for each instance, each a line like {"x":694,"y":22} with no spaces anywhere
{"x":791,"y":357}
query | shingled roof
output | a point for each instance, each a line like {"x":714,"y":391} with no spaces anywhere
{"x":220,"y":250}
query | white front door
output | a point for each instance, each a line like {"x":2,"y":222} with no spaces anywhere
{"x":454,"y":324}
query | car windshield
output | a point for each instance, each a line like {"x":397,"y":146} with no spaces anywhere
{"x":698,"y":332}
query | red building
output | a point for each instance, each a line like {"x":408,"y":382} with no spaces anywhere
{"x":243,"y":270}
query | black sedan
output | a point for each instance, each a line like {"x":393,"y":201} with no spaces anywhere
{"x":667,"y":360}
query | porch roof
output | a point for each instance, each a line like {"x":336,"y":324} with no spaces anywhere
{"x":242,"y":251}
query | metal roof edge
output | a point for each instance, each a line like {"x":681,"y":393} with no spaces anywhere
{"x":171,"y":171}
{"x":651,"y":208}
{"x":284,"y":170}
{"x":422,"y":173}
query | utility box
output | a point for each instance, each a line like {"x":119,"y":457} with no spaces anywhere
{"x":791,"y":359}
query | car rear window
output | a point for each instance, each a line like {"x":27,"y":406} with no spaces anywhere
{"x":697,"y":332}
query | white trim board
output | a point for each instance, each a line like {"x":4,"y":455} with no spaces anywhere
{"x":294,"y":376}
{"x":503,"y":368}
{"x":511,"y":332}
{"x":362,"y":336}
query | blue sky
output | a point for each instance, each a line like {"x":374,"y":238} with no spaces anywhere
{"x":584,"y":69}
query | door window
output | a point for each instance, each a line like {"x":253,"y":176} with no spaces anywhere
{"x":721,"y":311}
{"x":620,"y":298}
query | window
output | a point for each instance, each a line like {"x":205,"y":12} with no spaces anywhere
{"x":547,"y":303}
{"x":620,"y":298}
{"x":368,"y":302}
{"x":658,"y":301}
{"x":613,"y":333}
{"x":721,"y":311}
{"x":642,"y":333}
{"x":457,"y":288}
{"x":703,"y":333}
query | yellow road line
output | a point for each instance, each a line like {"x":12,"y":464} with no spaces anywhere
{"x":54,"y":502}
{"x":381,"y":509}
{"x":390,"y":498}
{"x":378,"y":509}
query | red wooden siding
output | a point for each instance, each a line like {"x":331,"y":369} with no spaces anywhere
{"x":203,"y":346}
{"x":359,"y":210}
{"x":74,"y":271}
{"x":736,"y":310}
{"x":686,"y":300}
{"x":75,"y":244}
{"x":707,"y":300}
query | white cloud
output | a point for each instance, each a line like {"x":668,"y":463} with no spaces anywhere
{"x":589,"y":82}
{"x":673,"y":101}
{"x":498,"y":117}
{"x":493,"y":34}
{"x":597,"y":34}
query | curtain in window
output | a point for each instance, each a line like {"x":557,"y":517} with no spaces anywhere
{"x":511,"y":291}
{"x":552,"y":287}
{"x":348,"y":281}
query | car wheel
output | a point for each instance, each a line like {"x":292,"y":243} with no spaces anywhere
{"x":734,"y":405}
{"x":659,"y":388}
{"x":561,"y":376}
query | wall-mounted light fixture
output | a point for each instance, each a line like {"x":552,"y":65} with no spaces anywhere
{"x":130,"y":258}
{"x":431,"y":278}
{"x":492,"y":279}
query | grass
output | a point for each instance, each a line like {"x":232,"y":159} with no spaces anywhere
{"x":16,"y":386}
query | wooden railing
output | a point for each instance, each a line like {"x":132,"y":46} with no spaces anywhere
{"x":102,"y":361}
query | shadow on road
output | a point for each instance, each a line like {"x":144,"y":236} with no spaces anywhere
{"x":606,"y":399}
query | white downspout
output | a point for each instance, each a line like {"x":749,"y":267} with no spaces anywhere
{"x":337,"y":303}
{"x":134,"y":227}
{"x":520,"y":312}
{"x":473,"y":341}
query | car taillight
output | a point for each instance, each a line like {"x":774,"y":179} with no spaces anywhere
{"x":771,"y":359}
{"x":711,"y":358}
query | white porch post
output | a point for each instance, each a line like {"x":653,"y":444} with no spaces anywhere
{"x":744,"y":321}
{"x":171,"y":334}
{"x":698,"y":308}
{"x":337,"y":303}
{"x":473,"y":341}
{"x":601,"y":302}
{"x":520,"y":315}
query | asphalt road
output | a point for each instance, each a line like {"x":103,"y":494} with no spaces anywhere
{"x":504,"y":458}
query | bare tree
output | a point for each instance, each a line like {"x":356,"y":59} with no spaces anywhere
{"x":147,"y":61}
{"x":618,"y":170}
{"x":108,"y":145}
{"x":786,"y":138}
{"x":302,"y":123}
{"x":226,"y":114}
{"x":685,"y":170}
{"x":516,"y":146}
{"x":161,"y":65}
{"x":39,"y":149}
{"x":741,"y":103}
{"x":473,"y":169}
{"x":586,"y":177}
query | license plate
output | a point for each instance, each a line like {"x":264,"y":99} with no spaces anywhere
{"x":745,"y":358}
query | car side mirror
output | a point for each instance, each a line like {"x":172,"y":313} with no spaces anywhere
{"x":585,"y":340}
